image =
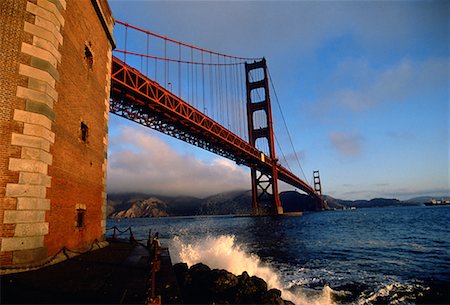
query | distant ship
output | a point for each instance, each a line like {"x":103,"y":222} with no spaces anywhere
{"x":437,"y":202}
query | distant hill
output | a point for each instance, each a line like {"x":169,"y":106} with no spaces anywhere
{"x":138,"y":205}
{"x":334,"y":203}
{"x":423,"y":199}
{"x":296,"y":202}
{"x":234,"y":202}
{"x":129,"y":205}
{"x":150,"y":207}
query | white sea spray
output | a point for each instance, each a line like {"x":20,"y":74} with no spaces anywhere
{"x":223,"y":252}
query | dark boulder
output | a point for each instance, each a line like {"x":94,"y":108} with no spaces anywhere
{"x":199,"y":268}
{"x":201,"y":285}
{"x":249,"y":289}
{"x":273,"y":296}
{"x":182,"y":274}
{"x":197,"y":291}
{"x":222,"y":286}
{"x":260,"y":284}
{"x":222,"y":281}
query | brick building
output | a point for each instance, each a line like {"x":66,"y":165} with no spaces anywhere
{"x":54,"y":96}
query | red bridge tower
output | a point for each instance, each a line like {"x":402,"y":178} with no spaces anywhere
{"x":264,"y":185}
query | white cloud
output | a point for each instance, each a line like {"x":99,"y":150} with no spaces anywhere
{"x":144,"y":163}
{"x":348,"y":145}
{"x":360,"y":87}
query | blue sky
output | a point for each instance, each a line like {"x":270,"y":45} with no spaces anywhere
{"x":364,"y":87}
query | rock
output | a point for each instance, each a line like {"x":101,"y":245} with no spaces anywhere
{"x":222,"y":286}
{"x":182,"y":274}
{"x":222,"y":281}
{"x":199,"y":268}
{"x":200,"y":274}
{"x":246,"y":291}
{"x":260,"y":284}
{"x":198,"y":291}
{"x":273,"y":296}
{"x":274,"y":292}
{"x":201,"y":285}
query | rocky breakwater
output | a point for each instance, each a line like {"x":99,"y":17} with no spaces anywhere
{"x":201,"y":285}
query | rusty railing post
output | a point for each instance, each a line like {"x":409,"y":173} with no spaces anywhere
{"x":131,"y":236}
{"x":155,"y":266}
{"x":149,"y":240}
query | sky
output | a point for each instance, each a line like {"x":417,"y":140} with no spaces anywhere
{"x":364,"y":88}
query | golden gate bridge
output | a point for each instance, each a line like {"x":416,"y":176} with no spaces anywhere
{"x":215,"y":101}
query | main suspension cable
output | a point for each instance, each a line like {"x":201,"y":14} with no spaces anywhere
{"x":127,"y":25}
{"x":284,"y":121}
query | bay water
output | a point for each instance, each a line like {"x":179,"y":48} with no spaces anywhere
{"x":393,"y":255}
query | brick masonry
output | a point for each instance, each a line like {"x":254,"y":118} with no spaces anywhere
{"x":49,"y":87}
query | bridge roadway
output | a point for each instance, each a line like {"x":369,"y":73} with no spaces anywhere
{"x":144,"y":101}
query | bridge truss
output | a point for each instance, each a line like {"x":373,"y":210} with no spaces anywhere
{"x":137,"y":97}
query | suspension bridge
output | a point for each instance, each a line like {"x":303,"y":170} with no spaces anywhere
{"x":215,"y":101}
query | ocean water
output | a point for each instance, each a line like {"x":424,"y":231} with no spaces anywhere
{"x":398,"y":255}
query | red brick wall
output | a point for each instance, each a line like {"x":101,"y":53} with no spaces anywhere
{"x":77,"y":166}
{"x":12,"y":17}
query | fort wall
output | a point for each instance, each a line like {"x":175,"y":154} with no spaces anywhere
{"x":54,"y":93}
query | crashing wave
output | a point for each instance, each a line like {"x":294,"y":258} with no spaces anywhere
{"x":223,"y":252}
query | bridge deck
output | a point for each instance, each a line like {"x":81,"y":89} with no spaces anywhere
{"x":144,"y":101}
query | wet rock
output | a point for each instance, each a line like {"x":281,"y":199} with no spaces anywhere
{"x":197,"y":290}
{"x":260,"y":284}
{"x":274,"y":292}
{"x":273,"y":296}
{"x":182,"y":274}
{"x":199,"y":269}
{"x":246,"y":291}
{"x":201,"y":285}
{"x":221,"y":288}
{"x":223,"y":283}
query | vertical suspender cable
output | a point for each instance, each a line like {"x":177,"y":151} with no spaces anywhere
{"x":287,"y":130}
{"x":179,"y":70}
{"x":165,"y":63}
{"x":156,"y":70}
{"x":222,"y":100}
{"x":203,"y":85}
{"x":211,"y":86}
{"x":197,"y":104}
{"x":226,"y":93}
{"x":192,"y":76}
{"x":233,"y":100}
{"x":242,"y":101}
{"x":233,"y":114}
{"x":148,"y":38}
{"x":188,"y":73}
{"x":218,"y":105}
{"x":125,"y":53}
{"x":219,"y":108}
{"x":236,"y":99}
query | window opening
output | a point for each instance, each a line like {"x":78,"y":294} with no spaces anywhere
{"x":88,"y":56}
{"x":80,"y":218}
{"x":84,"y":132}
